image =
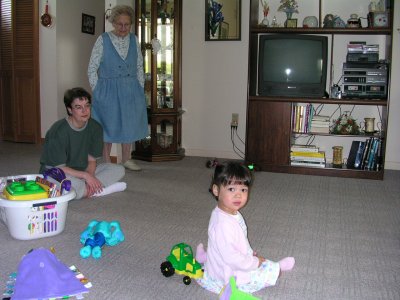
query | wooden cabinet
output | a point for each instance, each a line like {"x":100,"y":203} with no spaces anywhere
{"x":158,"y":28}
{"x":269,"y":119}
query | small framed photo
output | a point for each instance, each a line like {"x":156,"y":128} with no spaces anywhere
{"x":88,"y":24}
{"x":291,"y":23}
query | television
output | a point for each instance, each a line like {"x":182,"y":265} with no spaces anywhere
{"x":291,"y":65}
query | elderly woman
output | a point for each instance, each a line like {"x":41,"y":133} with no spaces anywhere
{"x":116,"y":76}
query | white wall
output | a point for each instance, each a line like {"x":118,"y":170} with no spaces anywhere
{"x":214,"y":75}
{"x":214,"y":85}
{"x":64,"y":54}
{"x":73,"y":46}
{"x":49,"y":101}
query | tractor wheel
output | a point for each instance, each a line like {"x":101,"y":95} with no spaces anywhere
{"x":187,"y":280}
{"x":167,"y":269}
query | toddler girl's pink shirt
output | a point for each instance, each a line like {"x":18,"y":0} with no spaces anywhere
{"x":229,"y":252}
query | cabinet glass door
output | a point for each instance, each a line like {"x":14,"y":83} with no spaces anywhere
{"x":158,"y":51}
{"x":165,"y":57}
{"x":144,"y":36}
{"x":158,"y":33}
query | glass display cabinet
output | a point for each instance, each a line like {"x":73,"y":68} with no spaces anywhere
{"x":158,"y":27}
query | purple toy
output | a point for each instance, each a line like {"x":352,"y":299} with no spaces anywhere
{"x":41,"y":275}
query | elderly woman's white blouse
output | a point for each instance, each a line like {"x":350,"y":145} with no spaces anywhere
{"x":121,"y":44}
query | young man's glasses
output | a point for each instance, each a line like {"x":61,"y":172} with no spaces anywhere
{"x":82,"y":107}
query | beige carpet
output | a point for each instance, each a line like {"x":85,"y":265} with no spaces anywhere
{"x":344,"y":233}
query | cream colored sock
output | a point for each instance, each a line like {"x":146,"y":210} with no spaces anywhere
{"x":115,"y":187}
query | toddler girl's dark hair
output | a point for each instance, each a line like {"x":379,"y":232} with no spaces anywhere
{"x":231,"y":172}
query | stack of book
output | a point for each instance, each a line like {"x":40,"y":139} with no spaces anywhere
{"x":307,"y":156}
{"x":320,"y":124}
{"x":366,"y":155}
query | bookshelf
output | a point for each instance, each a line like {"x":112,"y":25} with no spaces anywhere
{"x":270,"y":133}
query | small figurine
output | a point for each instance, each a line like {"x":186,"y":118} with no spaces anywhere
{"x":274,"y":22}
{"x":372,"y":6}
{"x":98,"y":234}
{"x":310,"y":22}
{"x":338,"y":22}
{"x":354,"y":21}
{"x":155,"y":45}
{"x":328,"y":21}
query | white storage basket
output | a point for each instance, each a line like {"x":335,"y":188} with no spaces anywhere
{"x":32,"y":219}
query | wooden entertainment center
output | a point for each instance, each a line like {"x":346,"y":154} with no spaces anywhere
{"x":269,"y":129}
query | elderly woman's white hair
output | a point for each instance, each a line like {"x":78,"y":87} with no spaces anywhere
{"x":121,"y":10}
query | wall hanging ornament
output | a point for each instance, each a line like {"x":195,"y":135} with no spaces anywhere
{"x":46,"y":20}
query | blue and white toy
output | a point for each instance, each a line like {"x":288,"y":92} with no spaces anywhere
{"x":98,"y":234}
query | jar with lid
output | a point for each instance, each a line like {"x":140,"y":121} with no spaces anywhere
{"x":354,"y":21}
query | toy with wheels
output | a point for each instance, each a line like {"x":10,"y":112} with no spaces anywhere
{"x":98,"y":234}
{"x":181,"y":261}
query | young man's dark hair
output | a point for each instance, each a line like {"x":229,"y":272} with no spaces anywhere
{"x":74,"y":93}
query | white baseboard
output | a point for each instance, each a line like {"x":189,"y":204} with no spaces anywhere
{"x":211,"y":153}
{"x":392,"y":165}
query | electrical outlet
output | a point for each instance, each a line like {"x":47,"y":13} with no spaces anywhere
{"x":235,"y":120}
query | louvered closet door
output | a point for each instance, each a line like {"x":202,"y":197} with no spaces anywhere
{"x":19,"y":75}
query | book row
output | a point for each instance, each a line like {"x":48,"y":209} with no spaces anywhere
{"x":363,"y":155}
{"x":304,"y":120}
{"x":307,"y":156}
{"x":366,"y":155}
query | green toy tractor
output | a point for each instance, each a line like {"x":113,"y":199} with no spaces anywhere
{"x":181,"y":261}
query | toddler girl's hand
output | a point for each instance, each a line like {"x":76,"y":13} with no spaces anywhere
{"x":260,"y":260}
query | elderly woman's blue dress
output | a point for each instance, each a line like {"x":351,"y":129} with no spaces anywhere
{"x":118,"y":98}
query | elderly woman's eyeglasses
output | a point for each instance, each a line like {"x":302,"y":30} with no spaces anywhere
{"x":123,"y":25}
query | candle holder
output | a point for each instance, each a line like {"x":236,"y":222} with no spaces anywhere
{"x":337,"y":161}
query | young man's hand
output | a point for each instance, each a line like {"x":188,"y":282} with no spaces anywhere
{"x":93,"y":185}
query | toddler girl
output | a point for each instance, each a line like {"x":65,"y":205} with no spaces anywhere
{"x":229,"y":252}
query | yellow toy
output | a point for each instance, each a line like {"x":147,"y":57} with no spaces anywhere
{"x":24,"y":190}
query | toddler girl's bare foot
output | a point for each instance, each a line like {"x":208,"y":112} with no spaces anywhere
{"x":287,"y":263}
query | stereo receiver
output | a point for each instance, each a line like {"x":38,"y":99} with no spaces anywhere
{"x":365,"y":81}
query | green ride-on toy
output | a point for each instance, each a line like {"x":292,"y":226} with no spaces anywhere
{"x":181,"y":261}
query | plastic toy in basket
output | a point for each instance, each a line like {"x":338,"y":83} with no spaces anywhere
{"x":57,"y":177}
{"x":24,"y":190}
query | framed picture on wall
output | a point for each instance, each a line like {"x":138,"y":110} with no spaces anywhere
{"x":223,"y":20}
{"x":88,"y":24}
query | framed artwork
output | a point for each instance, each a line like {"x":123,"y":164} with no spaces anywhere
{"x":88,"y":24}
{"x":291,"y":23}
{"x":223,"y":20}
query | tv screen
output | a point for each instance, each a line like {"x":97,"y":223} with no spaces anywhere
{"x":292,"y":65}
